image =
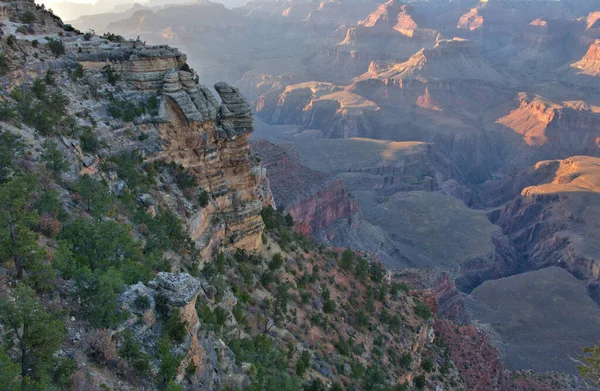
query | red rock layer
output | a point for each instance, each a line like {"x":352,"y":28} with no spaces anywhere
{"x":323,"y":208}
{"x":311,"y":197}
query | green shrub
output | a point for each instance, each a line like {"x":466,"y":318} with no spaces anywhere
{"x":361,"y":268}
{"x":347,"y":259}
{"x":56,"y":46}
{"x":40,"y":108}
{"x":132,"y":352}
{"x":27,"y":17}
{"x":427,"y":365}
{"x":169,"y":362}
{"x":276,"y":262}
{"x":405,"y":360}
{"x":203,"y":198}
{"x":33,"y":335}
{"x":270,"y":364}
{"x":79,"y":71}
{"x":11,"y":150}
{"x":54,"y":159}
{"x":111,"y":75}
{"x":376,"y":271}
{"x":343,"y":347}
{"x":420,"y":382}
{"x":303,"y":363}
{"x":3,"y":65}
{"x":396,"y":288}
{"x":99,"y":291}
{"x":94,"y":196}
{"x":422,"y":310}
{"x":113,"y":37}
{"x":49,"y":78}
{"x":141,"y":303}
{"x":329,"y":306}
{"x":174,"y":328}
{"x":89,"y":141}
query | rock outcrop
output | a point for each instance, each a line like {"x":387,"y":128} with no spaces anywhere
{"x":449,"y":59}
{"x":212,"y":361}
{"x":208,"y":138}
{"x":212,"y":142}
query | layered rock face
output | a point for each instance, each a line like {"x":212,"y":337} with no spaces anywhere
{"x":212,"y":141}
{"x":470,"y":344}
{"x":556,"y":128}
{"x":205,"y":137}
{"x":449,"y":59}
{"x":590,"y":63}
{"x":335,"y":110}
{"x":142,"y":66}
{"x":315,"y":200}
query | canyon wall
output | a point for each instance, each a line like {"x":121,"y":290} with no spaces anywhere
{"x":315,"y":200}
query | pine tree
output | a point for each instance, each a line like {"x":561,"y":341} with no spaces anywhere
{"x":32,"y":335}
{"x":18,"y":243}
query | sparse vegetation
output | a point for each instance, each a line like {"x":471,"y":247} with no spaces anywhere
{"x":27,"y":17}
{"x":589,"y":365}
{"x":130,"y":110}
{"x":56,"y":46}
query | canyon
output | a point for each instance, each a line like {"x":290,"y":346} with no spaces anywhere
{"x":458,"y":138}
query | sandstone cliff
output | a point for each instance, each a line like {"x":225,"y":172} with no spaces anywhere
{"x":205,"y":137}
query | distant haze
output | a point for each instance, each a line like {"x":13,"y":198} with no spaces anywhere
{"x":73,"y":9}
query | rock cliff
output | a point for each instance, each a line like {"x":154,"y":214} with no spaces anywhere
{"x":553,"y":220}
{"x":556,"y":128}
{"x":190,"y":127}
{"x":315,"y":200}
{"x":590,"y":63}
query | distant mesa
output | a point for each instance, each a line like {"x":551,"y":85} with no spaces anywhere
{"x":395,"y":17}
{"x":449,"y":59}
{"x":573,"y":175}
{"x":569,"y":127}
{"x":539,"y":22}
{"x":593,"y":20}
{"x":472,"y":20}
{"x":590,"y":63}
